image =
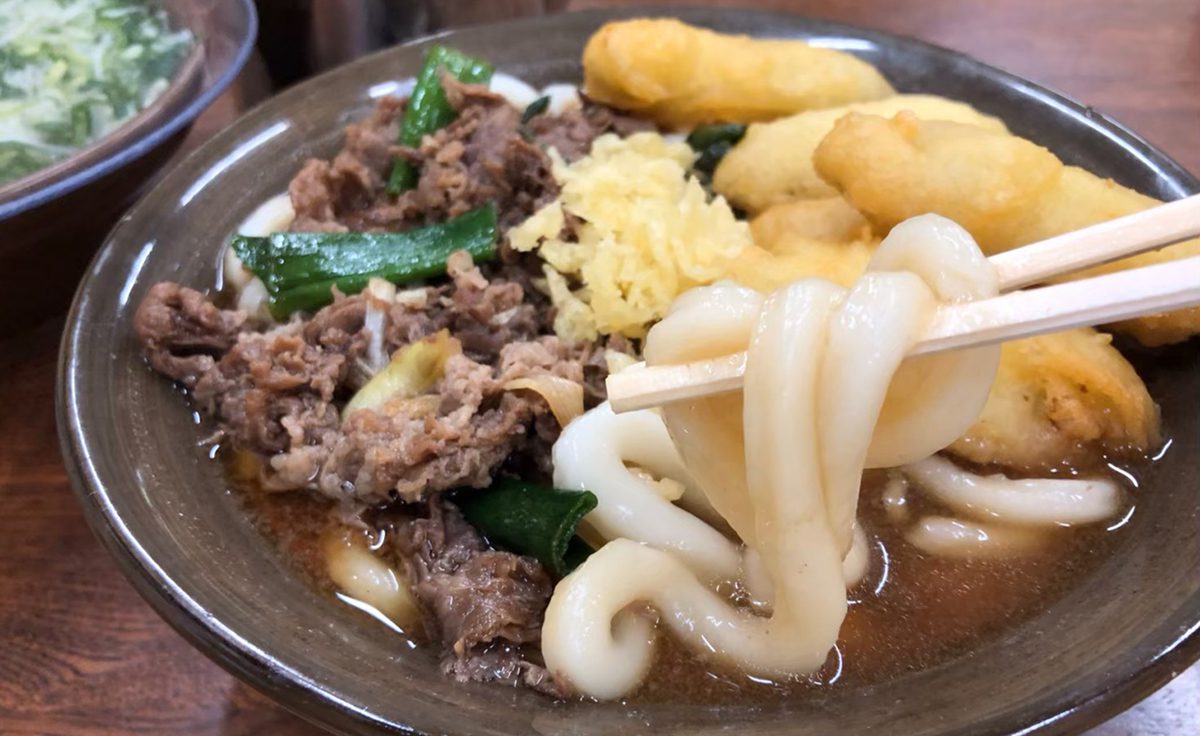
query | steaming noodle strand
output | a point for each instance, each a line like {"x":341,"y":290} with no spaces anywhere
{"x":827,"y":393}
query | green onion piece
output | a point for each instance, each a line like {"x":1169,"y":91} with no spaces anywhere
{"x":705,"y":136}
{"x":712,"y":142}
{"x":531,"y":520}
{"x":428,"y":109}
{"x":708,"y":159}
{"x":535,"y":108}
{"x":300,"y":269}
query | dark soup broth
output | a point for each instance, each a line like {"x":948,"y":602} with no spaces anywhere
{"x":911,"y":611}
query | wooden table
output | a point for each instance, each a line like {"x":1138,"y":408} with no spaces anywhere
{"x":80,"y":653}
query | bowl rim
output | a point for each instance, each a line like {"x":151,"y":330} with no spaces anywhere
{"x":306,"y":698}
{"x":179,"y":115}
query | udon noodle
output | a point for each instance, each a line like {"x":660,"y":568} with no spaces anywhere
{"x":827,"y":393}
{"x":1039,"y":501}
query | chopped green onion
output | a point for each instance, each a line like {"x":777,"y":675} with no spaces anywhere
{"x":712,"y":142}
{"x":531,"y":520}
{"x":300,"y":270}
{"x":706,"y":135}
{"x":428,"y":109}
{"x":535,"y":108}
{"x":709,"y":158}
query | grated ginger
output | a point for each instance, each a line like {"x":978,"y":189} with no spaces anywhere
{"x":647,"y":233}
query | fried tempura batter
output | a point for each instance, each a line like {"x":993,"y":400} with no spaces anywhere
{"x":824,"y":238}
{"x":766,"y":271}
{"x":773,"y":162}
{"x":1005,"y":190}
{"x":1057,"y":399}
{"x":681,"y":76}
{"x":831,"y":219}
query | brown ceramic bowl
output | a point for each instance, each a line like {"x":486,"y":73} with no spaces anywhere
{"x":162,"y":508}
{"x":52,"y":220}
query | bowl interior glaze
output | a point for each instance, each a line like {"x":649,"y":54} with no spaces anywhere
{"x":162,"y":507}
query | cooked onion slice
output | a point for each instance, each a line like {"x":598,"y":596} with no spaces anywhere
{"x":412,"y":371}
{"x":379,"y":294}
{"x":1036,"y":501}
{"x":564,"y":396}
{"x":616,"y":361}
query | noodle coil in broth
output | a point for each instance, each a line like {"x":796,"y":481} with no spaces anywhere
{"x":827,"y":394}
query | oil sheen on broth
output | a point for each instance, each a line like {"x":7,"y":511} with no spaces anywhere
{"x":911,"y":611}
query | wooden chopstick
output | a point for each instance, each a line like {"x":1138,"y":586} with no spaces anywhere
{"x":1099,"y":300}
{"x":1111,"y":297}
{"x":1122,"y":295}
{"x":1100,"y":243}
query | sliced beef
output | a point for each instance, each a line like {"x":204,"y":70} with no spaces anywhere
{"x":274,"y":391}
{"x":183,"y":332}
{"x":504,"y":663}
{"x":595,"y":366}
{"x":456,"y":436}
{"x":480,"y":604}
{"x":609,"y":120}
{"x":323,"y":191}
{"x":487,"y":315}
{"x":339,"y":327}
{"x":485,"y":155}
{"x":572,"y":132}
{"x":271,"y":392}
{"x":410,"y":448}
{"x":277,"y":392}
{"x":481,"y":157}
{"x":462,"y":95}
{"x":418,"y":313}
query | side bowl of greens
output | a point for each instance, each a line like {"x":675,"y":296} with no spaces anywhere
{"x":95,"y":96}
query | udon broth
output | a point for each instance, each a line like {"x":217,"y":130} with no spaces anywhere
{"x":911,"y":611}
